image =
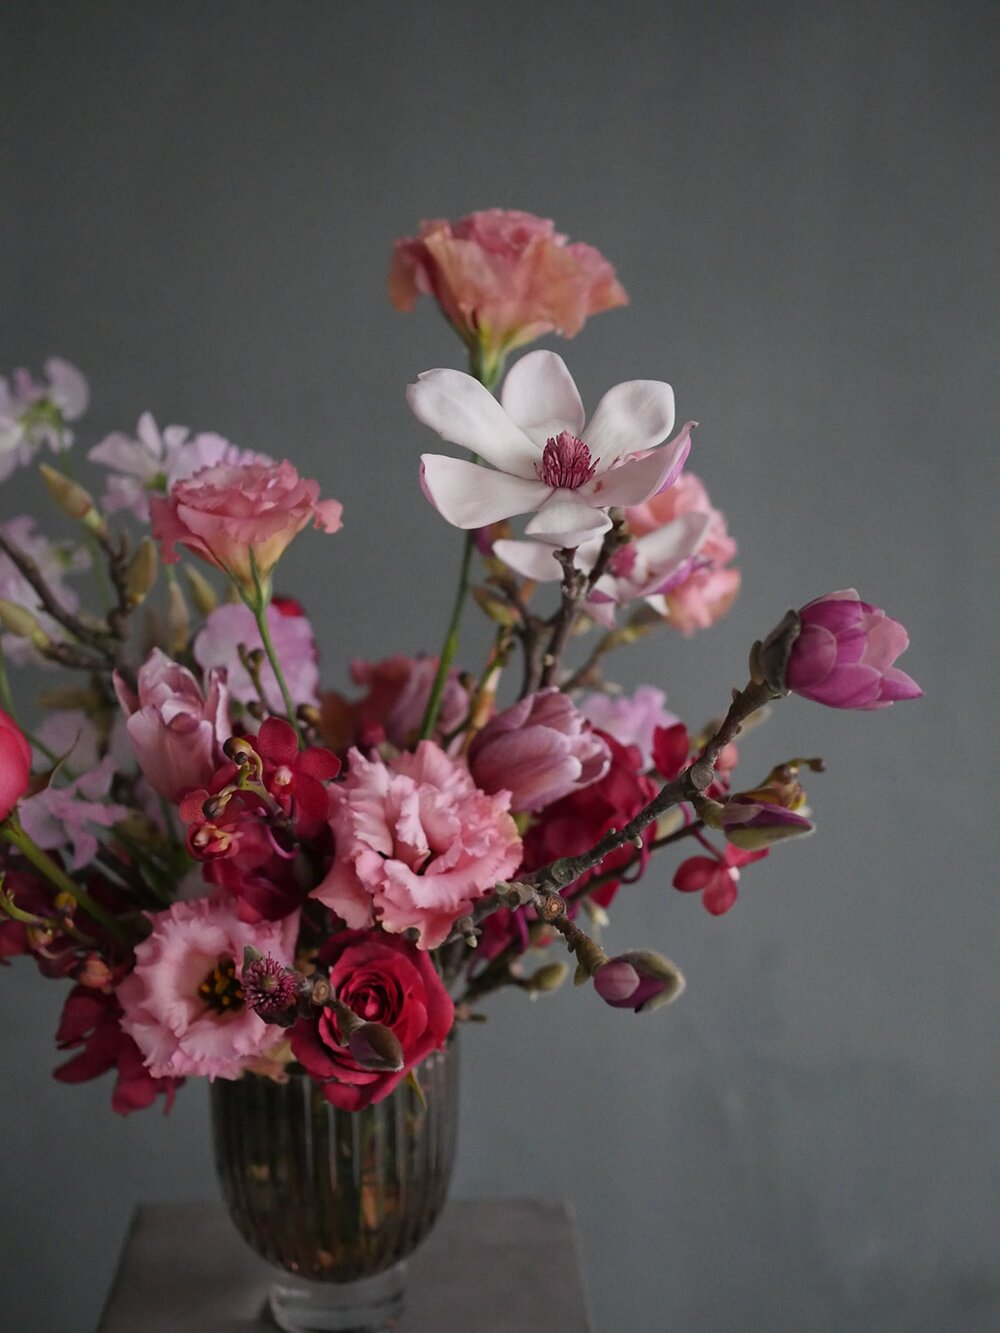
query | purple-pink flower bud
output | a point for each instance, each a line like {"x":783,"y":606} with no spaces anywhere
{"x":844,"y":654}
{"x":540,"y":749}
{"x":376,"y":1047}
{"x":753,"y":824}
{"x":640,"y":980}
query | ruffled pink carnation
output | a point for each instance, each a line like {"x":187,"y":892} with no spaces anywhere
{"x":417,"y":843}
{"x":183,"y":1005}
{"x":231,"y":512}
{"x":503,"y":278}
{"x":710,"y":589}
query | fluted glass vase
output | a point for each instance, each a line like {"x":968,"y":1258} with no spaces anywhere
{"x":337,"y":1199}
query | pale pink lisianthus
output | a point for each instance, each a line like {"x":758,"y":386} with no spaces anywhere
{"x":240,"y":517}
{"x":175,"y":728}
{"x":183,"y":1004}
{"x":232,"y":624}
{"x":417,"y":844}
{"x":503,"y":278}
{"x":710,"y":589}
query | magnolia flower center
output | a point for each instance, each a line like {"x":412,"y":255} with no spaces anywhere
{"x":565,"y":462}
{"x":220,"y":991}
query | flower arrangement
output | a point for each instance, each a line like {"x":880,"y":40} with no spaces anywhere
{"x":238,"y":870}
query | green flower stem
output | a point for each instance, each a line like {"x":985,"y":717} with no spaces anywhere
{"x":6,"y":698}
{"x":258,"y":605}
{"x":12,"y":832}
{"x":488,"y":374}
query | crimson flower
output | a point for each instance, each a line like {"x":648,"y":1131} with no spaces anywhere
{"x":715,"y":877}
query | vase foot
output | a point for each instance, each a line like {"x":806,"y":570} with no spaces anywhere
{"x":370,"y":1305}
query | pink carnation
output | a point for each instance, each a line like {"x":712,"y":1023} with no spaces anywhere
{"x":708,"y":592}
{"x":236,"y":516}
{"x":503,"y":278}
{"x":417,"y":844}
{"x":183,"y":1005}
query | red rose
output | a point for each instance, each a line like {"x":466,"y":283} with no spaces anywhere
{"x":15,"y":764}
{"x":383,"y":979}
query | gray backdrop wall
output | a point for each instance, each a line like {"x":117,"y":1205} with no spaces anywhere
{"x":198,"y":202}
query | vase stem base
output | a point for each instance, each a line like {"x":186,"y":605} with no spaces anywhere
{"x":370,"y":1305}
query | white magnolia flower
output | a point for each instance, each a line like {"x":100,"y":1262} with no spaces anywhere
{"x":545,"y":460}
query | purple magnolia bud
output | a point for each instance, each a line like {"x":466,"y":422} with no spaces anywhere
{"x":376,"y":1047}
{"x":540,"y":749}
{"x":844,"y":652}
{"x":752,"y":824}
{"x":639,"y":980}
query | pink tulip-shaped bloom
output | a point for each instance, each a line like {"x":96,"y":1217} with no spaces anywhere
{"x":844,"y":654}
{"x":240,"y":517}
{"x":184,"y":1005}
{"x":707,"y":590}
{"x":175,"y":729}
{"x":540,"y":749}
{"x":641,"y":981}
{"x":545,"y":460}
{"x":417,"y":844}
{"x":15,"y":764}
{"x":646,"y":568}
{"x":503,"y":278}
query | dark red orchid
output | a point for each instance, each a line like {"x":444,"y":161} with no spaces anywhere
{"x":715,"y":877}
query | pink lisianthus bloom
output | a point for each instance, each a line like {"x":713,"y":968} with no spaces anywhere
{"x":183,"y":1004}
{"x":540,"y":749}
{"x":646,"y":568}
{"x":15,"y":764}
{"x":545,"y":460}
{"x":708,"y":589}
{"x":153,"y":460}
{"x":844,"y":654}
{"x":632,"y":719}
{"x":175,"y":729}
{"x":34,"y":414}
{"x":382,"y":979}
{"x":715,"y":877}
{"x":393,"y":708}
{"x":240,"y":518}
{"x":92,"y":1019}
{"x":216,"y":649}
{"x":417,"y":844}
{"x":503,"y":278}
{"x":65,"y":817}
{"x":54,"y":560}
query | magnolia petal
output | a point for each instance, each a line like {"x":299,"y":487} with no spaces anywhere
{"x":566,"y":519}
{"x":464,"y":412}
{"x":532,"y":560}
{"x":471,"y":496}
{"x":630,"y":417}
{"x":539,"y":395}
{"x":676,"y":540}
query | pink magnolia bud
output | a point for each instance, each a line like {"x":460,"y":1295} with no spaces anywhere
{"x":844,"y":654}
{"x":15,"y":764}
{"x":540,"y":749}
{"x":753,"y":824}
{"x":640,"y":980}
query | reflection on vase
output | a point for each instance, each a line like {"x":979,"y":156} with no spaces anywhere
{"x":337,"y":1198}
